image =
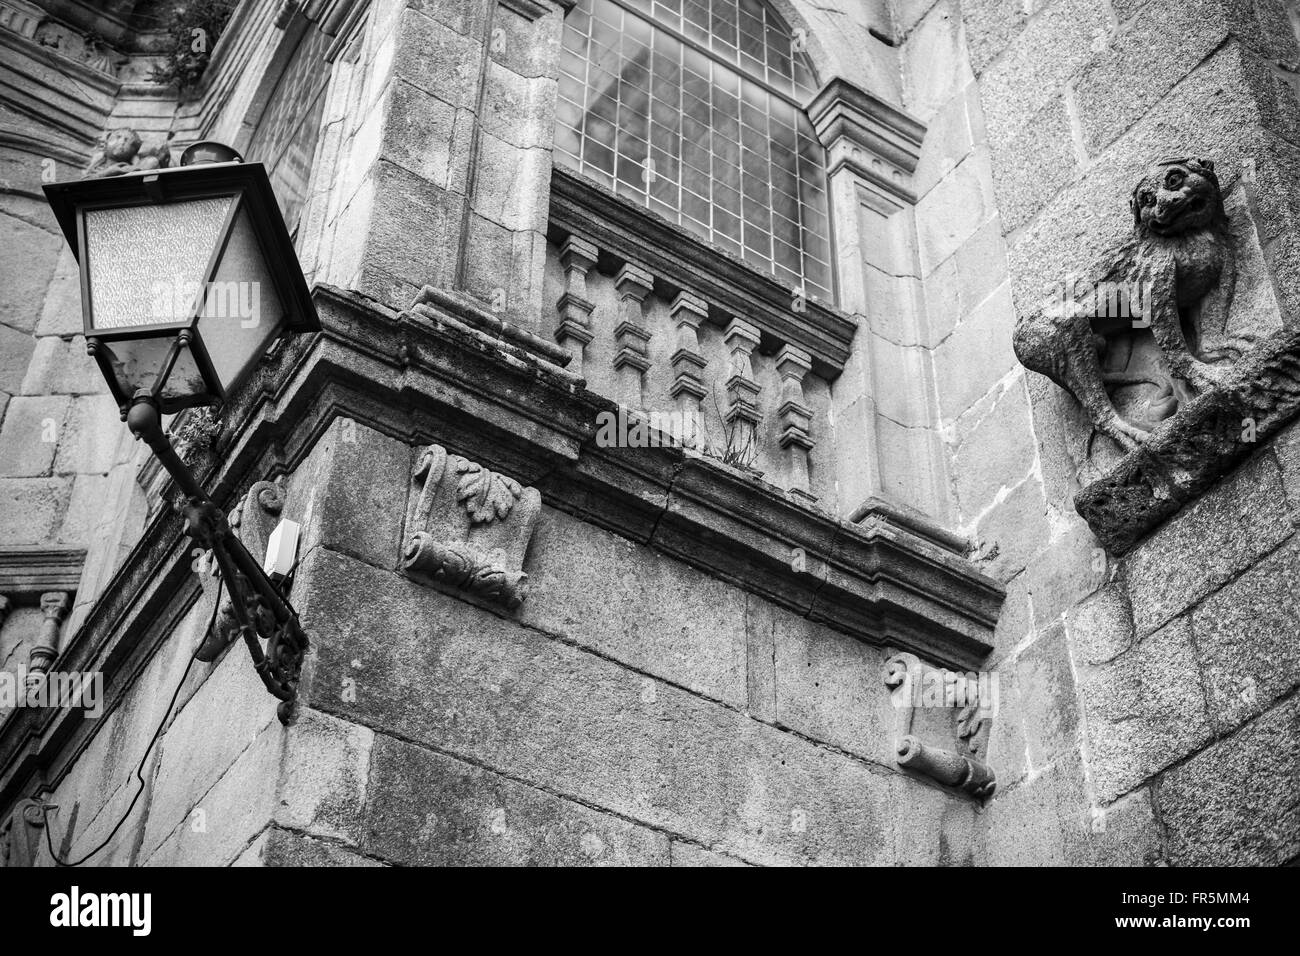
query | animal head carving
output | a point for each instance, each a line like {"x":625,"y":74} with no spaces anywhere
{"x":1177,"y":196}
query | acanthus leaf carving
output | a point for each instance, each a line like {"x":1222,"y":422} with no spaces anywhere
{"x":469,"y":527}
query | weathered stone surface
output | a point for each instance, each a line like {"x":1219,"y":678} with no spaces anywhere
{"x":16,"y":348}
{"x":1246,"y":639}
{"x":1017,"y":527}
{"x":828,"y":687}
{"x":429,"y":809}
{"x":1045,"y":697}
{"x":350,"y":493}
{"x":1144,"y":710}
{"x":30,"y":435}
{"x":1065,"y":572}
{"x":1034,"y":165}
{"x":1100,"y":627}
{"x":30,"y":257}
{"x":89,"y":440}
{"x":1221,"y":534}
{"x":935,"y":67}
{"x":687,"y":854}
{"x":324,"y":777}
{"x":545,"y":712}
{"x":990,"y":26}
{"x":605,"y":593}
{"x":437,"y":59}
{"x":1037,"y":64}
{"x":954,"y":209}
{"x":277,"y":847}
{"x":31,"y":508}
{"x":976,"y":355}
{"x":999,"y":420}
{"x":1238,"y":802}
{"x":62,"y":367}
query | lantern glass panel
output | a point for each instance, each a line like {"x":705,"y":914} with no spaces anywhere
{"x":242,"y":311}
{"x":136,"y":363}
{"x":147,"y":263}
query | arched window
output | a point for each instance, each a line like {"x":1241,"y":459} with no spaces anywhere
{"x":694,"y":109}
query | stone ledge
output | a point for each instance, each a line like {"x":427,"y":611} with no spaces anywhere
{"x":36,"y":569}
{"x":1194,"y":449}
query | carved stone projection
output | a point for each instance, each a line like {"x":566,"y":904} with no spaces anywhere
{"x":123,"y":151}
{"x":912,"y":684}
{"x":22,"y":833}
{"x":1145,"y":344}
{"x":469,"y":527}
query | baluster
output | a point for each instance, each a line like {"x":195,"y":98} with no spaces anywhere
{"x":688,"y":390}
{"x":54,"y":604}
{"x":796,"y":417}
{"x":576,"y":256}
{"x":631,"y":335}
{"x":742,"y":393}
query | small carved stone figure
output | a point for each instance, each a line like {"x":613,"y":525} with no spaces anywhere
{"x":123,"y":152}
{"x":1179,"y":267}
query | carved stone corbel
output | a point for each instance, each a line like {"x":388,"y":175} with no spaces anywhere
{"x":905,"y":676}
{"x":21,"y":834}
{"x":469,"y":527}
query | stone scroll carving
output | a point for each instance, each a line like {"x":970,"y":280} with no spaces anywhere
{"x":469,"y":527}
{"x":1147,"y":347}
{"x":912,"y":684}
{"x":22,"y":833}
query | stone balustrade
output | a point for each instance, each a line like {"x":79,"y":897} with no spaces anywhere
{"x":687,"y":371}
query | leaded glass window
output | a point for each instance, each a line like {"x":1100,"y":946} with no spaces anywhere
{"x":286,"y":134}
{"x":693,"y":108}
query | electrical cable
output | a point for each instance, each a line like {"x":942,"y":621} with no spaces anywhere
{"x":139,"y":771}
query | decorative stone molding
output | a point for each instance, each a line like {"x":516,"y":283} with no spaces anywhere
{"x":55,"y":606}
{"x":906,"y":677}
{"x":21,"y":17}
{"x":469,"y":527}
{"x":577,"y":256}
{"x":742,"y":416}
{"x":33,"y":570}
{"x":688,"y":388}
{"x":631,"y":335}
{"x":1218,"y":395}
{"x":21,"y":834}
{"x":796,"y":417}
{"x":878,"y":142}
{"x":456,"y":311}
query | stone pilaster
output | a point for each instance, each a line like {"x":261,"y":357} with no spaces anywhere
{"x":742,"y":415}
{"x":689,"y":387}
{"x":631,"y":335}
{"x":796,"y":417}
{"x":576,"y":256}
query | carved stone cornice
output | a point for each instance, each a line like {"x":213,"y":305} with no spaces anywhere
{"x":34,"y":570}
{"x":860,"y":131}
{"x":686,"y":263}
{"x":422,"y":380}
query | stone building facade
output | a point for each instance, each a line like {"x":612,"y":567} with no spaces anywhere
{"x":814,"y":241}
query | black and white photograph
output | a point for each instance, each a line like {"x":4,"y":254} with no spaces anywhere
{"x":649,"y":433}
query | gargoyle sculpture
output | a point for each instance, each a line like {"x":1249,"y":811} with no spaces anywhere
{"x":1176,"y":273}
{"x":123,"y":151}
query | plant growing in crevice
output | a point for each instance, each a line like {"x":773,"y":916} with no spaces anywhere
{"x":192,"y":28}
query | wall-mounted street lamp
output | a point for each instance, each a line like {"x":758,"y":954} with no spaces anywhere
{"x":188,"y":275}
